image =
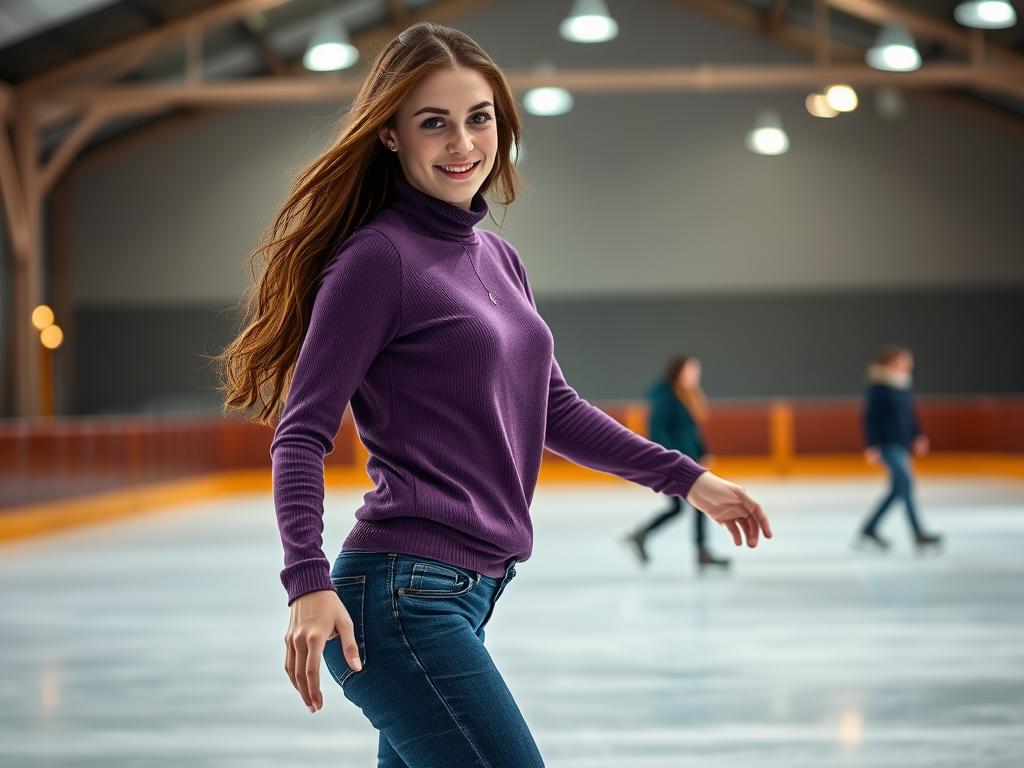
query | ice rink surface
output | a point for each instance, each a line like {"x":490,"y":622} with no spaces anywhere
{"x":159,"y":642}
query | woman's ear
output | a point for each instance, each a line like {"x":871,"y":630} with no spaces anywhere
{"x":387,"y":137}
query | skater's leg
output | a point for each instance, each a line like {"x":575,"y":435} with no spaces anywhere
{"x":891,"y":496}
{"x":637,"y":540}
{"x":903,"y":484}
{"x":674,"y":510}
{"x":386,"y":755}
{"x":906,"y":493}
{"x":700,"y":535}
{"x":700,"y":532}
{"x":428,"y":684}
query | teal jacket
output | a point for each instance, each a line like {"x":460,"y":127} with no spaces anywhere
{"x":670,"y":423}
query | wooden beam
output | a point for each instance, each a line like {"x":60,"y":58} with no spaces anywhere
{"x":116,"y":66}
{"x":50,"y":114}
{"x":24,"y":180}
{"x":753,"y":20}
{"x":224,"y":13}
{"x":274,"y":62}
{"x":193,"y":54}
{"x":93,"y":121}
{"x":445,"y":11}
{"x":27,"y":282}
{"x":802,"y":39}
{"x":140,"y":99}
{"x":700,"y":78}
{"x":6,"y":100}
{"x":777,"y":12}
{"x":822,"y":50}
{"x":13,"y":194}
{"x":953,"y":35}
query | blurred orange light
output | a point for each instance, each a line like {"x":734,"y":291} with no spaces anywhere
{"x":42,"y":316}
{"x":51,"y":336}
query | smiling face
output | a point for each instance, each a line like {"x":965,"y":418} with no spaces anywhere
{"x":446,"y":134}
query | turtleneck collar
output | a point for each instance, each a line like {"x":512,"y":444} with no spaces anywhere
{"x":433,"y":214}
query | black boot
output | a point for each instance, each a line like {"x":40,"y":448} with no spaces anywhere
{"x":871,"y":539}
{"x":925,"y":541}
{"x":705,"y":558}
{"x":636,"y":541}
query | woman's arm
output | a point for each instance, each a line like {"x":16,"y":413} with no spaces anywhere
{"x":587,"y":435}
{"x":356,"y":312}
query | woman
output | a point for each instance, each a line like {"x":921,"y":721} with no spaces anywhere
{"x":379,"y":290}
{"x":891,"y":433}
{"x":678,"y":407}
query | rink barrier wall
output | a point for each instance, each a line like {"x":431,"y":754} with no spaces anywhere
{"x":67,"y":472}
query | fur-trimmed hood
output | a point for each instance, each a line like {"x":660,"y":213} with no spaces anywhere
{"x":883,"y":374}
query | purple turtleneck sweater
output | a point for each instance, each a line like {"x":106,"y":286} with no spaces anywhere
{"x":428,"y":326}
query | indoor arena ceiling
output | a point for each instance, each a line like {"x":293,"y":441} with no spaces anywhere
{"x":38,"y":37}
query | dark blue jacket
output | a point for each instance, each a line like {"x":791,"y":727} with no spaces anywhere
{"x":670,"y":423}
{"x":889,"y":417}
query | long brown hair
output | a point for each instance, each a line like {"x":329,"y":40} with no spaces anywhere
{"x":693,"y":398}
{"x":332,"y":197}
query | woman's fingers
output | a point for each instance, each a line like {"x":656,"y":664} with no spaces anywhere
{"x":762,"y":519}
{"x":730,"y":505}
{"x":346,"y":632}
{"x":752,"y":529}
{"x":289,"y":660}
{"x":734,"y":529}
{"x":300,"y":670}
{"x":314,"y":652}
{"x":315,"y":616}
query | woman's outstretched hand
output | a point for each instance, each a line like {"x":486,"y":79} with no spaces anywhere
{"x":728,"y":504}
{"x":316,"y":618}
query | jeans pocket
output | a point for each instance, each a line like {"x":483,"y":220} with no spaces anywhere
{"x":437,"y":580}
{"x":351,"y":591}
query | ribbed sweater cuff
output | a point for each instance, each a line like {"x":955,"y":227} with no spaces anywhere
{"x":689,"y":471}
{"x":306,"y":576}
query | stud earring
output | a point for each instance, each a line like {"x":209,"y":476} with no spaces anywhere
{"x":393,"y":147}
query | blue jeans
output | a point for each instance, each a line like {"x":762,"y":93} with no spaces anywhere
{"x":427,"y":685}
{"x":897,"y":460}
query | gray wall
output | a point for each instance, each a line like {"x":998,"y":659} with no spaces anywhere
{"x":752,"y":346}
{"x":649,"y":230}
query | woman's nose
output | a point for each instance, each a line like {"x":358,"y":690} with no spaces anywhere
{"x":461,"y":142}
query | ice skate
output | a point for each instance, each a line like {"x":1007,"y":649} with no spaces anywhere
{"x":928,"y":542}
{"x":706,"y":559}
{"x":636,"y":541}
{"x":871,"y":540}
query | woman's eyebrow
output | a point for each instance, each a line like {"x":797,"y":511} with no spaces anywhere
{"x":440,"y":111}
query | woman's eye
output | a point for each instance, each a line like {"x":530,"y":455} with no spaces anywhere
{"x":433,"y":122}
